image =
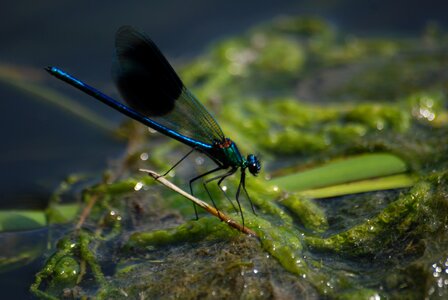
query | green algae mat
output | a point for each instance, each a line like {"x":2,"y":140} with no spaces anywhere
{"x":352,"y":202}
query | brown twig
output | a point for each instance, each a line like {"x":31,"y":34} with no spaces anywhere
{"x":86,"y":211}
{"x":201,"y":203}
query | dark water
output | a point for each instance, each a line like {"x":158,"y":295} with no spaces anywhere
{"x":41,"y":144}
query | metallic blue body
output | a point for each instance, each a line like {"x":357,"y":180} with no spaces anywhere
{"x":203,"y":147}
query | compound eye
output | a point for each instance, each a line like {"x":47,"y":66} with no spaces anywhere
{"x":254,"y":165}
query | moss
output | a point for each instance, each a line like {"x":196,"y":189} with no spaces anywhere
{"x":285,"y":246}
{"x":309,"y":213}
{"x":359,"y":294}
{"x":380,"y":117}
{"x":278,"y":55}
{"x":239,"y":269}
{"x":189,"y":232}
{"x":388,"y":227}
{"x":262,"y":195}
{"x":66,"y":271}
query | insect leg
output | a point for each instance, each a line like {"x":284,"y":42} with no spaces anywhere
{"x":237,"y":197}
{"x":243,"y":180}
{"x":231,"y":172}
{"x":221,"y":178}
{"x":176,"y":164}
{"x":198,"y":177}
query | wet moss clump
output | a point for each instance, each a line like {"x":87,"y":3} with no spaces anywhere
{"x":299,"y":93}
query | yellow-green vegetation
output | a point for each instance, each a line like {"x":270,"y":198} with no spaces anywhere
{"x":360,"y":123}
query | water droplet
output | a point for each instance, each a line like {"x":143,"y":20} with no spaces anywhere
{"x":199,"y":160}
{"x":375,"y":297}
{"x":144,"y":156}
{"x":138,"y":186}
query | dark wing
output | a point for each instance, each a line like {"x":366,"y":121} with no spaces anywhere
{"x":150,"y":85}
